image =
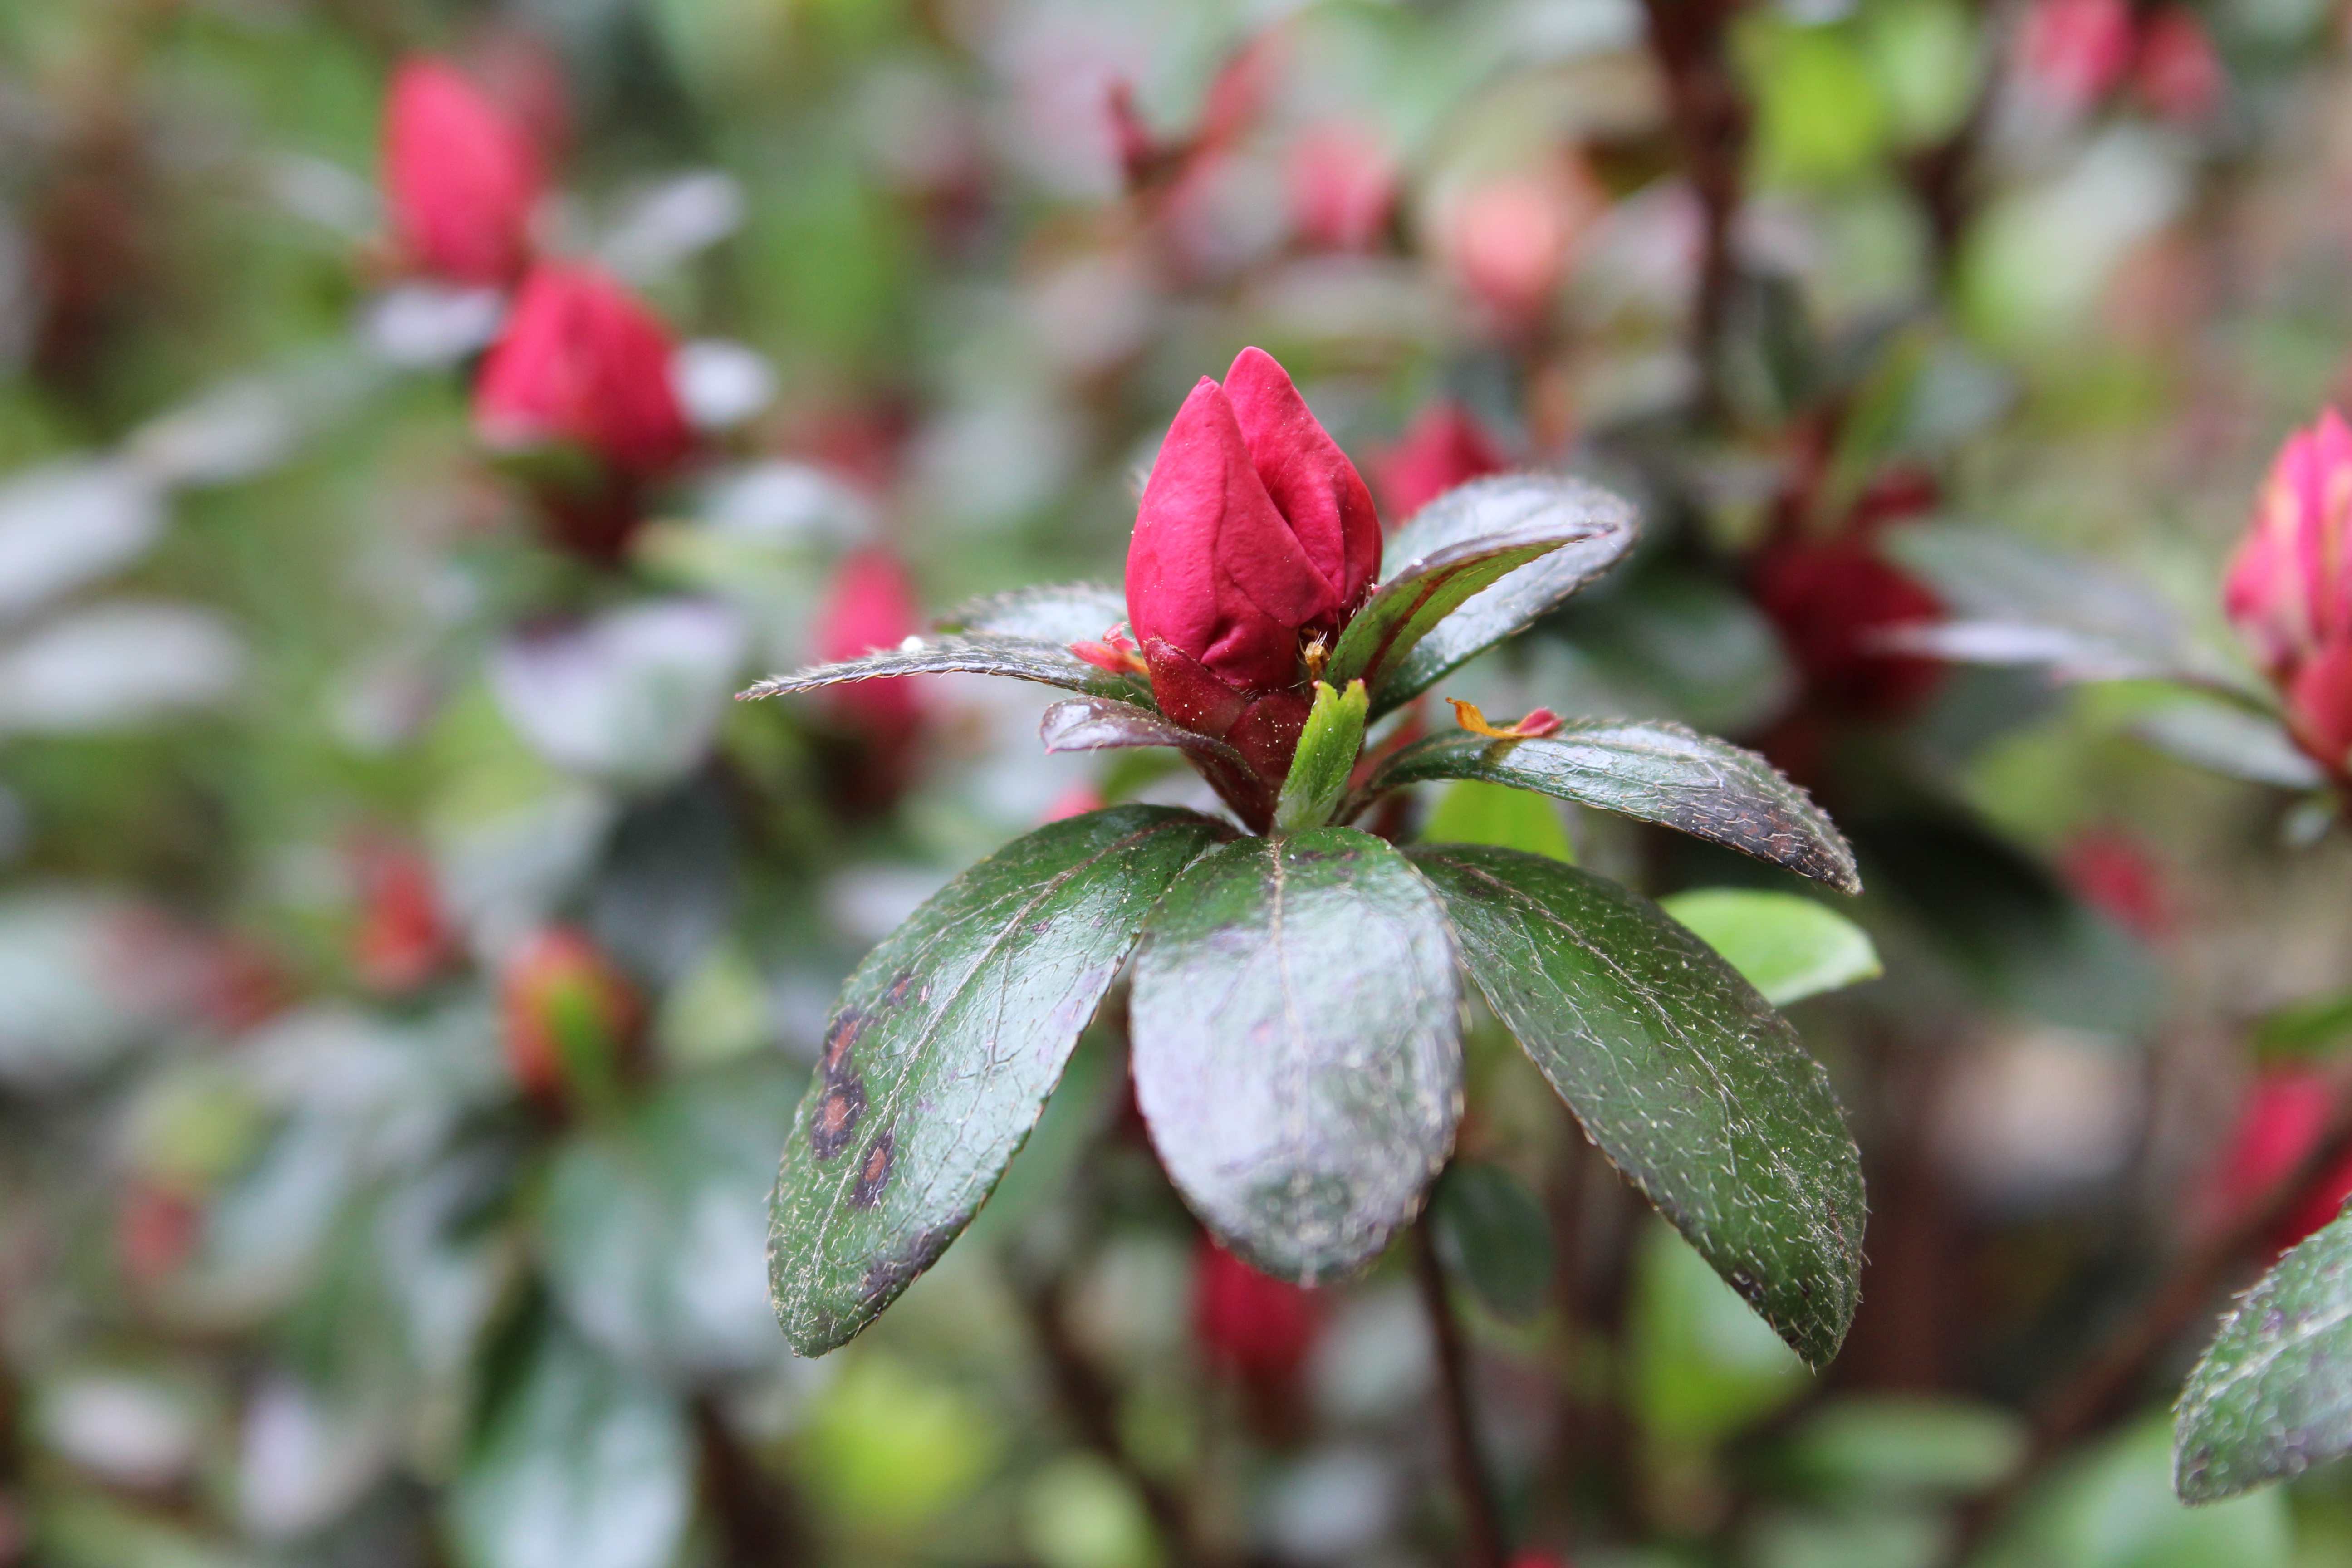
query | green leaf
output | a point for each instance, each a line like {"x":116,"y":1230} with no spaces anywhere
{"x":2226,"y":738}
{"x":2272,"y":1395}
{"x":1658,"y":773}
{"x":1492,"y":1233}
{"x":1684,"y":1075}
{"x":1296,"y":1025}
{"x":1023,"y":658}
{"x":1472,"y":811}
{"x":1103,"y":723}
{"x":581,"y":1465}
{"x":1061,"y":614}
{"x":2305,"y":1028}
{"x":1702,"y":1364}
{"x":942,"y":1051}
{"x":1326,"y":756}
{"x":656,"y":1226}
{"x":1787,"y":946}
{"x":1905,"y":1443}
{"x":1449,"y":543}
{"x":2110,"y":1505}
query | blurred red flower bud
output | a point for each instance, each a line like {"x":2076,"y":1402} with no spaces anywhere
{"x":2289,"y":591}
{"x":461,"y":177}
{"x":2282,"y":1121}
{"x":1508,"y":241}
{"x":1443,"y":448}
{"x":1342,"y":187}
{"x":571,"y":1018}
{"x":2178,"y":74}
{"x":1831,"y":599}
{"x":402,"y":941}
{"x":1256,"y":534}
{"x":2111,"y":873}
{"x":870,"y":605}
{"x":1075,"y":801}
{"x":2071,"y":53}
{"x":1249,"y":1322}
{"x":581,"y":362}
{"x":156,"y":1230}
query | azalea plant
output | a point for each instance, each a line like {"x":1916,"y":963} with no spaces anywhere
{"x":1295,"y":1013}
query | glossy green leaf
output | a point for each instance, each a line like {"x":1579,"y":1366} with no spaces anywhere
{"x":1703,"y":1365}
{"x":656,"y":1224}
{"x":942,"y":1051}
{"x":1684,"y":1075}
{"x":1023,"y":658}
{"x":2272,"y":1395}
{"x":1103,"y":723}
{"x":2110,"y":1505}
{"x":1462,"y":579}
{"x":1060,"y":614}
{"x":1326,"y":756}
{"x":581,"y":1465}
{"x":1473,"y":811}
{"x":1787,"y":946}
{"x":1658,"y":773}
{"x":1492,"y":1233}
{"x":1296,"y":1023}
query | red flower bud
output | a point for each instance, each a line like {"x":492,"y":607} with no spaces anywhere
{"x":1342,"y":185}
{"x":1830,"y":599}
{"x":2289,"y":592}
{"x":2113,"y":874}
{"x":2283,"y":1120}
{"x":581,"y":362}
{"x":2179,"y":75}
{"x":1250,"y":1322}
{"x":461,"y":177}
{"x":1508,"y":241}
{"x":400,"y":940}
{"x":571,"y":1018}
{"x":2072,"y":52}
{"x":1256,"y":531}
{"x":1443,"y":448}
{"x":871,"y":605}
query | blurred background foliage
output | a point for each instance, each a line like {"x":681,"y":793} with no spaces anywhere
{"x":410,"y":957}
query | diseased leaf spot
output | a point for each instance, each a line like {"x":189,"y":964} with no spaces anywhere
{"x":874,"y":1170}
{"x":837,"y":1115}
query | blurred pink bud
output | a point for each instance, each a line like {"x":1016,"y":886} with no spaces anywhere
{"x":461,"y":177}
{"x":1250,"y":1322}
{"x":1075,"y":801}
{"x":402,"y":940}
{"x":2285,"y":591}
{"x":871,"y":605}
{"x":1342,"y":187}
{"x":1132,"y":143}
{"x":1831,"y":600}
{"x":2282,"y":1121}
{"x":2073,"y":52}
{"x":1255,"y":532}
{"x":2179,"y":75}
{"x":1443,"y":448}
{"x":580,"y":361}
{"x":1508,"y":241}
{"x":2115,"y":875}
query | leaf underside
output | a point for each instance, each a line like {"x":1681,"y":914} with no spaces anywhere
{"x":1656,"y":772}
{"x":1023,"y":658}
{"x":1681,"y":1074}
{"x":1595,"y":529}
{"x":942,"y":1051}
{"x":1059,"y":613}
{"x":1296,"y":1022}
{"x":2272,"y":1395}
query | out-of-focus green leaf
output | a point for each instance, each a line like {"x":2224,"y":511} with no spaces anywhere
{"x":1675,"y":645}
{"x":1658,"y":773}
{"x":1787,"y":946}
{"x":2112,"y":1507}
{"x":581,"y":1465}
{"x":1080,"y":1513}
{"x":1326,"y":756}
{"x":1593,"y":530}
{"x":2225,"y":739}
{"x":1925,"y":58}
{"x":1684,"y":1075}
{"x":1492,"y":1233}
{"x":884,"y":1449}
{"x":941,"y":1052}
{"x":1703,"y":1365}
{"x":1819,"y":114}
{"x":1904,"y":1444}
{"x":1296,"y":1018}
{"x":1473,"y":811}
{"x":2272,"y":1395}
{"x":2306,"y":1027}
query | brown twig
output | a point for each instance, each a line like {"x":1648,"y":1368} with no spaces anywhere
{"x":2104,"y":1387}
{"x":1710,"y":120}
{"x":1481,"y":1519}
{"x":1088,"y":1402}
{"x":758,"y":1523}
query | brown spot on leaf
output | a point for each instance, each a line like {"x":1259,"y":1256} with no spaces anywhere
{"x":899,"y":988}
{"x":837,"y":1113}
{"x":839,"y":1035}
{"x":874,"y":1170}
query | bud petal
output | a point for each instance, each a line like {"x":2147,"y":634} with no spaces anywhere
{"x":580,"y":361}
{"x":1443,"y":448}
{"x":2288,"y":589}
{"x":1313,"y":485}
{"x":460,"y":174}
